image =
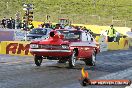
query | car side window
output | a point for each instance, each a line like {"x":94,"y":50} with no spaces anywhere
{"x":84,"y":37}
{"x":88,"y":37}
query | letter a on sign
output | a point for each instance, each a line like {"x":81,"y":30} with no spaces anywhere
{"x":12,"y":47}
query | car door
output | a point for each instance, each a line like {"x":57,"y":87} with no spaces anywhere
{"x":84,"y":49}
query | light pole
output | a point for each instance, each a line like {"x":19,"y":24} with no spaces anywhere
{"x":60,"y":11}
{"x":7,"y":6}
{"x":94,"y":5}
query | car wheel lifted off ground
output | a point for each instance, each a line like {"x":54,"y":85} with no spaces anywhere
{"x":91,"y":61}
{"x":72,"y":60}
{"x":38,"y":60}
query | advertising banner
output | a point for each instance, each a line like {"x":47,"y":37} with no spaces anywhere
{"x":12,"y":35}
{"x":6,"y":35}
{"x":19,"y":35}
{"x":15,"y":48}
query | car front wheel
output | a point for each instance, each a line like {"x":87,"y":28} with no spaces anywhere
{"x":72,"y":60}
{"x":91,"y":61}
{"x":38,"y":60}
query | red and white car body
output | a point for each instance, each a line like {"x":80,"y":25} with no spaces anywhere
{"x":66,"y":45}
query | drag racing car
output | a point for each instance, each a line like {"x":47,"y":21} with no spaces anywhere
{"x":66,"y":46}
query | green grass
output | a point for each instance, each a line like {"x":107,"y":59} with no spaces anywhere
{"x":78,"y":11}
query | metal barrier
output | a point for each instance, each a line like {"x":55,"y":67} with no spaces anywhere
{"x":123,"y":44}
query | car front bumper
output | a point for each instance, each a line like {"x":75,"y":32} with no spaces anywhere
{"x":45,"y":52}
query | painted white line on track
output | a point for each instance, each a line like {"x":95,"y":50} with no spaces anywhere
{"x":129,"y":86}
{"x":118,"y":75}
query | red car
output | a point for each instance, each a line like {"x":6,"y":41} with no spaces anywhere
{"x":66,"y":45}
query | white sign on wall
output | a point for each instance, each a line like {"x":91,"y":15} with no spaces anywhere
{"x":19,"y":35}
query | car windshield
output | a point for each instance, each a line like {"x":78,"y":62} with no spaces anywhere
{"x":38,"y":31}
{"x":71,"y":35}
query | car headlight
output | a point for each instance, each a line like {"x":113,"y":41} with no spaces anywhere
{"x":33,"y":45}
{"x":65,"y":46}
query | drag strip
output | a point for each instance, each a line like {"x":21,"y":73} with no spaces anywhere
{"x":21,"y":72}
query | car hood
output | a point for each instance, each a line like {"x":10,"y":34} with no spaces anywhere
{"x":52,"y":41}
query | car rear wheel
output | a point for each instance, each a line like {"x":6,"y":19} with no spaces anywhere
{"x":38,"y":60}
{"x":91,"y":61}
{"x":72,"y":60}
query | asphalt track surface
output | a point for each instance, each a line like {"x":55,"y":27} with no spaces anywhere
{"x":21,"y":72}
